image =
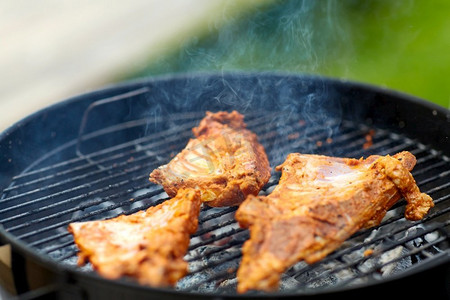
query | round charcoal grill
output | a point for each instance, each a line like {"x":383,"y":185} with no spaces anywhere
{"x":89,"y":158}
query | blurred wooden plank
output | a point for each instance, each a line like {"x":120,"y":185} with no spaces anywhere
{"x":51,"y":50}
{"x":6,"y":278}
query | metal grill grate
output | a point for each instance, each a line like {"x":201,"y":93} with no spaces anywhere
{"x":67,"y":186}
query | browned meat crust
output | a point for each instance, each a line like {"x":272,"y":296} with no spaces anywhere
{"x":225,"y":162}
{"x":319,"y":203}
{"x":148,"y":245}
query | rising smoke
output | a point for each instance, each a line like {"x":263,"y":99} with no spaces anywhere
{"x":301,"y":36}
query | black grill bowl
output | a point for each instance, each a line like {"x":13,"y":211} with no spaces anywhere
{"x":89,"y":158}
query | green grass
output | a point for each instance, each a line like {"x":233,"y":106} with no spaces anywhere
{"x":403,"y":45}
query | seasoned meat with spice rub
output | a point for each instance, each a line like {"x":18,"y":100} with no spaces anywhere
{"x":148,"y":245}
{"x":225,"y":162}
{"x":319,"y":203}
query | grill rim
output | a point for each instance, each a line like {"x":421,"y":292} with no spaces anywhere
{"x":72,"y":272}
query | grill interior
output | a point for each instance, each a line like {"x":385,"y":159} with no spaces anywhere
{"x":104,"y":173}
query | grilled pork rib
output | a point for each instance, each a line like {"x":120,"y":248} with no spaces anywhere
{"x":225,"y":162}
{"x":319,"y":203}
{"x":148,"y":245}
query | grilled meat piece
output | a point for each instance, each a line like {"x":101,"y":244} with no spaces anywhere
{"x":225,"y":162}
{"x":319,"y":203}
{"x":148,"y":245}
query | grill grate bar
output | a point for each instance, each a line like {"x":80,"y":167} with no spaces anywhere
{"x":403,"y":147}
{"x":58,"y":247}
{"x":217,"y":237}
{"x":411,"y":250}
{"x":429,"y":167}
{"x":314,"y":134}
{"x":103,"y":151}
{"x":51,"y":238}
{"x":215,"y":264}
{"x":383,"y":149}
{"x":429,"y":156}
{"x":318,"y":135}
{"x":76,"y":178}
{"x":386,"y":247}
{"x":214,"y":227}
{"x":372,"y":271}
{"x":433,"y":178}
{"x":74,"y":188}
{"x":217,"y":275}
{"x":166,"y":140}
{"x":224,"y":211}
{"x":68,"y":255}
{"x":72,"y":199}
{"x":217,"y":249}
{"x":381,"y":144}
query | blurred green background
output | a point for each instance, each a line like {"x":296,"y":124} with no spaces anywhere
{"x":403,"y":45}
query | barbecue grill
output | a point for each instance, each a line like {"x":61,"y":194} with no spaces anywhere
{"x":89,"y":157}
